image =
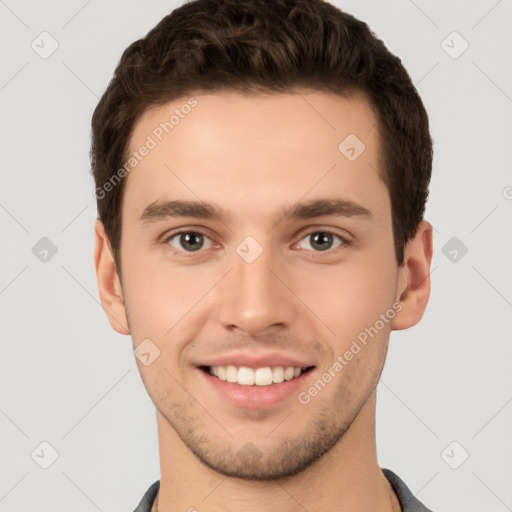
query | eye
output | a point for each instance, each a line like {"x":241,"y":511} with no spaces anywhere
{"x":189,"y":241}
{"x":322,"y":241}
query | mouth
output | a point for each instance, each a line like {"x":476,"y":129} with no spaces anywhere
{"x":256,"y":377}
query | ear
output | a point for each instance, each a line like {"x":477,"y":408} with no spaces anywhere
{"x":109,"y":285}
{"x":413,"y":286}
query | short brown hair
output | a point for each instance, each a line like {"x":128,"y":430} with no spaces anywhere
{"x":253,"y":46}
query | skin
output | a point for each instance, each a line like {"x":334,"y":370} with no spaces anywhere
{"x":253,"y":156}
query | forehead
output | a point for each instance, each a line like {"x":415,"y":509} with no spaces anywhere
{"x":239,"y":116}
{"x":250,"y":150}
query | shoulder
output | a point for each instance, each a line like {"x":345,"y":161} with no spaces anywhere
{"x":408,"y":501}
{"x":147,"y":500}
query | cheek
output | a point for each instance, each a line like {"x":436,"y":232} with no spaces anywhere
{"x":143,"y":285}
{"x":159,"y":295}
{"x":349,"y":298}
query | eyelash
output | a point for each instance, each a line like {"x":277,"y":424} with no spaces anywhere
{"x":345,"y":241}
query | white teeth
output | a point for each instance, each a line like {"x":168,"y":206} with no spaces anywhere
{"x":245,"y":376}
{"x":231,"y":373}
{"x":277,"y":374}
{"x":264,"y":376}
{"x":288,"y":373}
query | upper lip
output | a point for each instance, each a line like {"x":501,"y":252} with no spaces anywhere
{"x":257,"y":360}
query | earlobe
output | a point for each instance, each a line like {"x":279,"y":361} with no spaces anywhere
{"x":413,"y":287}
{"x":109,"y":285}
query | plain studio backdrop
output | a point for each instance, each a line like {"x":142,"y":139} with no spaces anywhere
{"x":70,"y":387}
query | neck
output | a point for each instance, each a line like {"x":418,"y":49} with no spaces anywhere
{"x":346,"y":478}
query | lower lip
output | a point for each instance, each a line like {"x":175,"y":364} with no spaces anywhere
{"x":256,"y":397}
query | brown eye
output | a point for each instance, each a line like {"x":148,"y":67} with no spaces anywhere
{"x":321,"y":241}
{"x":189,"y":241}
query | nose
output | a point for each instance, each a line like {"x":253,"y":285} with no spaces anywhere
{"x":255,"y":297}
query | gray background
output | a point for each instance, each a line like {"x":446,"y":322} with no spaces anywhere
{"x":68,"y":379}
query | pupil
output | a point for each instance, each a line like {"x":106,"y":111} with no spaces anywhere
{"x":322,"y":241}
{"x":192,"y":241}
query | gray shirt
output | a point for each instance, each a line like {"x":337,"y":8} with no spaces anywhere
{"x":408,"y":501}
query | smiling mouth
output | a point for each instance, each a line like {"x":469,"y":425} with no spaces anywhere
{"x":264,"y":376}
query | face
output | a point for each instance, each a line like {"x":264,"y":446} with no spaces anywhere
{"x":258,"y":260}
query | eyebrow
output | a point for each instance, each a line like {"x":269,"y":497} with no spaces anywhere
{"x":160,"y":210}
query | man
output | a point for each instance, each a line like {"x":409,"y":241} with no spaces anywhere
{"x":261,"y":171}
